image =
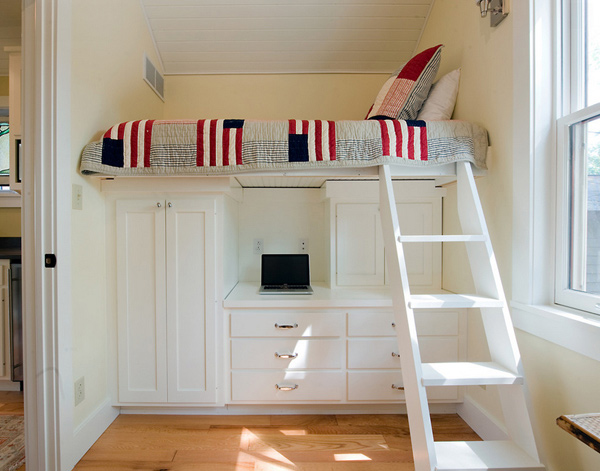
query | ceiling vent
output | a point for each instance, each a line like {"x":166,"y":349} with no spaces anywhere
{"x":154,"y":78}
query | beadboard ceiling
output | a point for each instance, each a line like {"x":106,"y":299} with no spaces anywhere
{"x":10,"y":29}
{"x":285,"y":36}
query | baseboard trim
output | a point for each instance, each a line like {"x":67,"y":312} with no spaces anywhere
{"x":86,"y":434}
{"x":484,"y":425}
{"x":282,"y":409}
{"x":9,"y":386}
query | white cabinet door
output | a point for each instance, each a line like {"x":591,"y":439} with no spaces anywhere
{"x":191,"y":300}
{"x":359,"y":245}
{"x":141,"y":301}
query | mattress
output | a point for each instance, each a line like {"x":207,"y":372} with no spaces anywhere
{"x":230,"y":146}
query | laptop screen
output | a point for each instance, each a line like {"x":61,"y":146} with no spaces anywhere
{"x":288,"y":269}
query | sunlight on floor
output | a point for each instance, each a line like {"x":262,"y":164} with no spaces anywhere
{"x":350,"y":457}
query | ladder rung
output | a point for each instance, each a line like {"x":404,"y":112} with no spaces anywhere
{"x":467,"y":374}
{"x":442,"y":301}
{"x":441,"y":238}
{"x":498,"y":455}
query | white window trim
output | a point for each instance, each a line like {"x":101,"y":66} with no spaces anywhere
{"x":536,"y":78}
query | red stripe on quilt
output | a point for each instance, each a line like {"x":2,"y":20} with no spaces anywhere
{"x":213,"y":142}
{"x":292,"y":126}
{"x":238,"y":145}
{"x":398,"y":131}
{"x":121,"y":131}
{"x":304,"y":126}
{"x":319,"y":140}
{"x":108,"y":133}
{"x":225,"y":141}
{"x":423,"y":143}
{"x":411,"y":143}
{"x":135,"y":127}
{"x":148,"y":142}
{"x":385,"y":138}
{"x":200,"y":143}
{"x":331,"y":140}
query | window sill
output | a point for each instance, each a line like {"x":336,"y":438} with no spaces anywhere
{"x":576,"y":330}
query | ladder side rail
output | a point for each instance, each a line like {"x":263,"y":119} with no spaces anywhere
{"x":497,"y":322}
{"x":421,"y":432}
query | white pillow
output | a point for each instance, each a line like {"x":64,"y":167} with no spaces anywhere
{"x":440,"y":102}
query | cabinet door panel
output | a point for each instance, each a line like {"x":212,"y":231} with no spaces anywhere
{"x":359,"y":256}
{"x":191,"y":300}
{"x":141,"y":301}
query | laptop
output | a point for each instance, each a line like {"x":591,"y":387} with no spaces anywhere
{"x":285,"y":274}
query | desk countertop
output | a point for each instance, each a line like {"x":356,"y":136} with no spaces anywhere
{"x":245,"y":295}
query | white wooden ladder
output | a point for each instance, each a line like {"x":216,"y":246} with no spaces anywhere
{"x":505,"y":369}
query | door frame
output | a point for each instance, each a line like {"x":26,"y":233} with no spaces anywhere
{"x":46,"y":229}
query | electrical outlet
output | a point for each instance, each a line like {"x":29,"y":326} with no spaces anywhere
{"x":303,"y":245}
{"x":79,"y":390}
{"x":258,"y":246}
{"x":77,"y":197}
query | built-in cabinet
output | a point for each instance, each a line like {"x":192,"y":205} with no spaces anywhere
{"x":186,"y":334}
{"x":166,"y":300}
{"x":284,"y":354}
{"x":357,"y":249}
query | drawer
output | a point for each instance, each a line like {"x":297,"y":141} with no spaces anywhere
{"x":287,"y":324}
{"x":373,"y":323}
{"x":307,"y":386}
{"x":377,"y":386}
{"x":266,"y":353}
{"x":377,"y":353}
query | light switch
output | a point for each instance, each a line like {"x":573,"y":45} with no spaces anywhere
{"x":77,"y":197}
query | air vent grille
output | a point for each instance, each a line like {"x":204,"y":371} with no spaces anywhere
{"x":154,"y":78}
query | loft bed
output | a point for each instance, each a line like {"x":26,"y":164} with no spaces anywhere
{"x":412,"y":148}
{"x":392,"y":142}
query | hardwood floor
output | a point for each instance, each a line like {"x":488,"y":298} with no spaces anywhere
{"x":11,"y":403}
{"x":278,"y":442}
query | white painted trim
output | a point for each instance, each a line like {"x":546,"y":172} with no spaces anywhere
{"x":293,"y":409}
{"x":86,"y":434}
{"x":9,"y":386}
{"x":482,"y":423}
{"x":46,"y":229}
{"x":578,"y":331}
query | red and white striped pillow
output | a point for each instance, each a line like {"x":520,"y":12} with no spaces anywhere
{"x":402,"y":96}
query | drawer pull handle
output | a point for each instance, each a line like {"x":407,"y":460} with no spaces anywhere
{"x":286,"y":356}
{"x":399,"y":388}
{"x":395,"y":355}
{"x":286,"y":387}
{"x":394,"y":325}
{"x":286,"y":326}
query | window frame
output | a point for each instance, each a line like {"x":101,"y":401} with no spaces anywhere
{"x":571,"y":219}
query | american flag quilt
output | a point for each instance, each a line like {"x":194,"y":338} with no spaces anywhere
{"x":227,"y":146}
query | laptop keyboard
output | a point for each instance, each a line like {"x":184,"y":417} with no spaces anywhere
{"x":286,"y":287}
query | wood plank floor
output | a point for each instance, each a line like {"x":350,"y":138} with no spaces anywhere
{"x":278,"y":442}
{"x":11,"y":403}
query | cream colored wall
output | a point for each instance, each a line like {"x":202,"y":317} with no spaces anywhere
{"x":301,"y":96}
{"x":10,"y":222}
{"x":4,"y":85}
{"x":109,"y":39}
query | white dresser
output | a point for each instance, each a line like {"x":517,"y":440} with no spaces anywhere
{"x":335,"y":346}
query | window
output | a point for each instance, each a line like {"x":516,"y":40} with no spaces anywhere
{"x":578,"y":150}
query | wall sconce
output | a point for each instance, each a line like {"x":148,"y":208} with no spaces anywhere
{"x":497,"y":8}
